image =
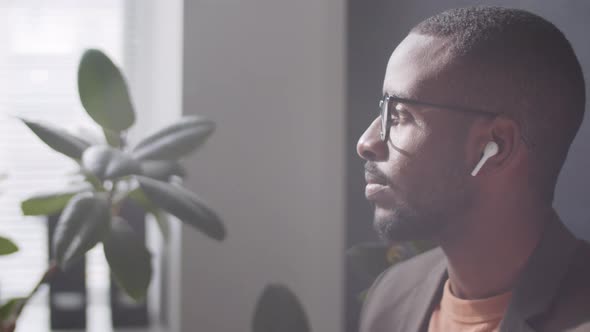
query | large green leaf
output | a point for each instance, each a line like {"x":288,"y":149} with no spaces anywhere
{"x":138,"y":196}
{"x":184,"y":205}
{"x":176,"y":140}
{"x":103,"y":92}
{"x":278,"y":309}
{"x":9,"y":308}
{"x":58,"y":139}
{"x":109,"y":163}
{"x":161,"y":169}
{"x":7,"y":247}
{"x":48,"y":203}
{"x":82,"y":224}
{"x":113,"y":138}
{"x":128,"y":258}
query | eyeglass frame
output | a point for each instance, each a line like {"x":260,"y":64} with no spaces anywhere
{"x":387,"y":100}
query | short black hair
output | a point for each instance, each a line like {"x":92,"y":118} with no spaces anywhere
{"x":534,"y":60}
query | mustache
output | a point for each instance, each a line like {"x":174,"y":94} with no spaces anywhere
{"x":375,"y":173}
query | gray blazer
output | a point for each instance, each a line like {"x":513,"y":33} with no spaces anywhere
{"x":552,"y":293}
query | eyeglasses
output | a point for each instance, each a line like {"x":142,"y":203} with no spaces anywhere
{"x":389,"y":111}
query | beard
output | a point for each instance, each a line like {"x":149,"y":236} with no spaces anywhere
{"x":402,"y":225}
{"x":431,"y":203}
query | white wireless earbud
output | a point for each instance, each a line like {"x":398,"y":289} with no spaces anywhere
{"x":490,"y":150}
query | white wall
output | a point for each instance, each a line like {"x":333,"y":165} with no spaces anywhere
{"x":156,"y":89}
{"x":271,"y":74}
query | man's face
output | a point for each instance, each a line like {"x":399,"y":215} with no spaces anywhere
{"x":418,"y":179}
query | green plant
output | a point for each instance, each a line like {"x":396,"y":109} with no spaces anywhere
{"x":148,"y":173}
{"x":7,"y":247}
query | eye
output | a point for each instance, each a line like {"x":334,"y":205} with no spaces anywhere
{"x":400,"y":115}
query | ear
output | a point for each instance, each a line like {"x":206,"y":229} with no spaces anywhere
{"x":506,"y":133}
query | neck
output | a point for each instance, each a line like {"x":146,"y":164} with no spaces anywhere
{"x":487,"y":254}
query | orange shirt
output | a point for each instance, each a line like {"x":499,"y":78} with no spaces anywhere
{"x":458,"y":315}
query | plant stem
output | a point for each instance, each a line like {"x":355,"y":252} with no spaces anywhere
{"x":47,"y":276}
{"x":7,"y":327}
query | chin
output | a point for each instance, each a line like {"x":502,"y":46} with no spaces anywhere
{"x":396,"y":226}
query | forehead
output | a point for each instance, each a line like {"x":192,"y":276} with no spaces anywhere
{"x":420,"y":68}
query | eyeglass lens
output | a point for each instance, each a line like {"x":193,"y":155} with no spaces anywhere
{"x":384,"y":113}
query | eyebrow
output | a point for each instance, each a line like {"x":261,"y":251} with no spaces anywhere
{"x":408,"y":104}
{"x":398,"y":95}
{"x":405,"y":99}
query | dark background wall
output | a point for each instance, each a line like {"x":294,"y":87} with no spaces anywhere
{"x":375,"y":28}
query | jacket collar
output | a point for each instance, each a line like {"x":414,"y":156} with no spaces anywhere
{"x":541,"y":277}
{"x":532,"y":294}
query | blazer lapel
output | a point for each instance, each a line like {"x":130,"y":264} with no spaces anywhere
{"x":541,"y":277}
{"x":424,"y":298}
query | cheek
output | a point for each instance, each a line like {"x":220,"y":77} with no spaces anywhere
{"x":407,"y":146}
{"x":407,"y":141}
{"x":420,"y":153}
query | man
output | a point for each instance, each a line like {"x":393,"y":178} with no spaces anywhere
{"x":480,"y":107}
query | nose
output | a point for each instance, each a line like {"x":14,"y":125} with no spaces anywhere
{"x":370,"y":146}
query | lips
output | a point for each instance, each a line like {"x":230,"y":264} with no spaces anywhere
{"x":376,"y":189}
{"x":373,"y":178}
